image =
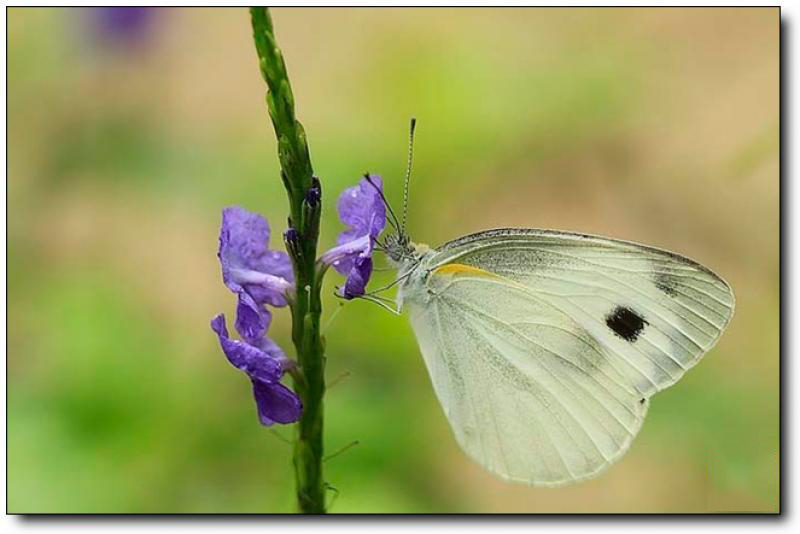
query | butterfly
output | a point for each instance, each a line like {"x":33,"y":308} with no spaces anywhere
{"x":544,"y":347}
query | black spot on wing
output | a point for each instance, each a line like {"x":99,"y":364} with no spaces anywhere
{"x":625,"y":323}
{"x":667,"y":283}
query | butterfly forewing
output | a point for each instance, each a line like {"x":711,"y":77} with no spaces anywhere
{"x":656,"y":312}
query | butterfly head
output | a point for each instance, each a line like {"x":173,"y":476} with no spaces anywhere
{"x":399,"y":248}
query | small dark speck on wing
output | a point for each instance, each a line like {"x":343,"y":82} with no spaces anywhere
{"x":625,"y":323}
{"x":667,"y":284}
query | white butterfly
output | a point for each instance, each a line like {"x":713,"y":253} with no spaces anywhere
{"x":544,"y":347}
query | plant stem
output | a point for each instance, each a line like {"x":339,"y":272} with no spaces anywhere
{"x":301,"y":239}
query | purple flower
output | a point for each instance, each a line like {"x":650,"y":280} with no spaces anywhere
{"x":122,"y":25}
{"x":361,"y":208}
{"x":256,"y":274}
{"x":265,"y":364}
{"x":356,"y":283}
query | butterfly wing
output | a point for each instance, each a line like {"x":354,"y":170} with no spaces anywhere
{"x":544,"y":347}
{"x":528,"y":395}
{"x":654,"y":312}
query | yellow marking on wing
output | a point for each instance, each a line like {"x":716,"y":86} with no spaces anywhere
{"x":461,"y":269}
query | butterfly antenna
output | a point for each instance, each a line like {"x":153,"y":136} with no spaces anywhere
{"x":408,"y":173}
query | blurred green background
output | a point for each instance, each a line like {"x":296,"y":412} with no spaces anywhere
{"x":128,"y":134}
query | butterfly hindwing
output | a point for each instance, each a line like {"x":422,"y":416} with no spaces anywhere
{"x":529,"y":395}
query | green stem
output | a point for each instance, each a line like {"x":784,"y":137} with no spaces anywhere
{"x":297,"y":175}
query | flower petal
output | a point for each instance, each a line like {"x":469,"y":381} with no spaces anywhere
{"x":357,"y":279}
{"x":269,"y":294}
{"x":361,"y":208}
{"x":273,"y":350}
{"x":252,"y":360}
{"x":342,"y":257}
{"x":246,"y":259}
{"x":252,"y":319}
{"x":276,"y":403}
{"x":277,"y":263}
{"x":243,"y":239}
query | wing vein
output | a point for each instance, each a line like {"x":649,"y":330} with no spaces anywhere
{"x":566,"y":410}
{"x":557,"y":378}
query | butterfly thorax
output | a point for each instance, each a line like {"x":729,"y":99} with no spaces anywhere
{"x":408,"y":258}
